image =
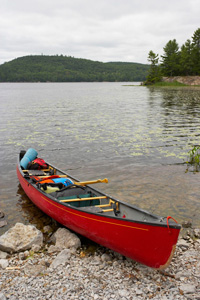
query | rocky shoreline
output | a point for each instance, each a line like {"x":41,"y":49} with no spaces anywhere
{"x":62,"y":268}
{"x":188,"y":80}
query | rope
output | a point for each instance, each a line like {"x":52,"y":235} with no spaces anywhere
{"x":168,"y":221}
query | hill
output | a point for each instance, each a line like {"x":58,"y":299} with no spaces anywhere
{"x":61,"y":68}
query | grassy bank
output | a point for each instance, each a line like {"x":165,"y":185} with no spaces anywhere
{"x":173,"y":84}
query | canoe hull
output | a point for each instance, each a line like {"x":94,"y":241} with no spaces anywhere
{"x":148,"y":244}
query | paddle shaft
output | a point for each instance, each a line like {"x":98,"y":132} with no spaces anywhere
{"x":105,"y":180}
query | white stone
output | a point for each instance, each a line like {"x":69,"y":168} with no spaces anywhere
{"x":61,"y":259}
{"x":2,"y":296}
{"x":3,"y":263}
{"x":106,"y":257}
{"x":20,"y":238}
{"x":139,"y":292}
{"x":36,"y":248}
{"x":3,"y":254}
{"x":123,"y":293}
{"x":63,"y":238}
{"x":187,"y":288}
{"x":34,"y":270}
{"x":183,"y":244}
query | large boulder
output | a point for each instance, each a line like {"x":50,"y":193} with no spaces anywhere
{"x":64,"y":239}
{"x":20,"y":238}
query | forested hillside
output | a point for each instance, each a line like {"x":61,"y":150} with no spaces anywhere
{"x":61,"y":68}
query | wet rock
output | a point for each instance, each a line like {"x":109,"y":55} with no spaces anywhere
{"x":20,"y":238}
{"x":63,"y":239}
{"x":197,"y":233}
{"x":187,"y":224}
{"x":3,"y":223}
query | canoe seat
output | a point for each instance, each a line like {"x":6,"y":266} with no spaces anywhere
{"x":92,"y":209}
{"x":78,"y":201}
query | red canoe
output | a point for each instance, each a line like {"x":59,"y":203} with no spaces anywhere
{"x":124,"y":228}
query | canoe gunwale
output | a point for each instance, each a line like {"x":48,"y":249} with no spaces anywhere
{"x":157,"y":218}
{"x":146,"y":238}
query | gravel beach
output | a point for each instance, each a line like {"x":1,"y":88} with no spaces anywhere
{"x":94,"y":272}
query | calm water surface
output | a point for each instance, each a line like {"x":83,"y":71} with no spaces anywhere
{"x":137,"y":137}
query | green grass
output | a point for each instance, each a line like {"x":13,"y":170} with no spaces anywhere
{"x":174,"y":83}
{"x":194,"y":158}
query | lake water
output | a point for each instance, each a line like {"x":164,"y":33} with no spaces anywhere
{"x":136,"y":136}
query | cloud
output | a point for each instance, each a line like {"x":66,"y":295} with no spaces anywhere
{"x":114,"y":30}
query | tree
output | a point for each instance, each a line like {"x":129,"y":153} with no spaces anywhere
{"x":186,"y":63}
{"x":154,"y":74}
{"x":196,"y":51}
{"x":170,"y":59}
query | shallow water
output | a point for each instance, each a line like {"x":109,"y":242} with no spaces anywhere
{"x":137,"y":137}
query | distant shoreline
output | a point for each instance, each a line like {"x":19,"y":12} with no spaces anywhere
{"x":177,"y":81}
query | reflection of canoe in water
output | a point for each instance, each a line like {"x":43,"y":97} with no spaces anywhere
{"x":124,"y":228}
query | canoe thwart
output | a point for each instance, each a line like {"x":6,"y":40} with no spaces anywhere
{"x":83,"y":199}
{"x":108,"y":210}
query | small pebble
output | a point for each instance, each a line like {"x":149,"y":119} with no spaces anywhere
{"x":103,"y":275}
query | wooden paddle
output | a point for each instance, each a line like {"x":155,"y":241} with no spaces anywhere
{"x":105,"y":180}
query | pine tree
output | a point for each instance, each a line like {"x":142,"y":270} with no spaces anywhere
{"x":154,"y":74}
{"x":186,"y":63}
{"x":171,"y":59}
{"x":196,"y":52}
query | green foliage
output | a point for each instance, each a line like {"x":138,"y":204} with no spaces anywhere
{"x":196,"y":51}
{"x":43,"y":68}
{"x":170,"y":59}
{"x":175,"y":61}
{"x":194,"y":158}
{"x":172,"y":84}
{"x":186,"y":62}
{"x":154,"y":74}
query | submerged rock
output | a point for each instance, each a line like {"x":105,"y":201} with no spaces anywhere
{"x":1,"y":214}
{"x":20,"y":238}
{"x":3,"y":223}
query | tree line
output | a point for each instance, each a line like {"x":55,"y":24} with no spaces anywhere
{"x":175,"y":61}
{"x":59,"y":68}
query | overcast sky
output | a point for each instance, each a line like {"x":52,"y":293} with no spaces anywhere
{"x":101,"y":30}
